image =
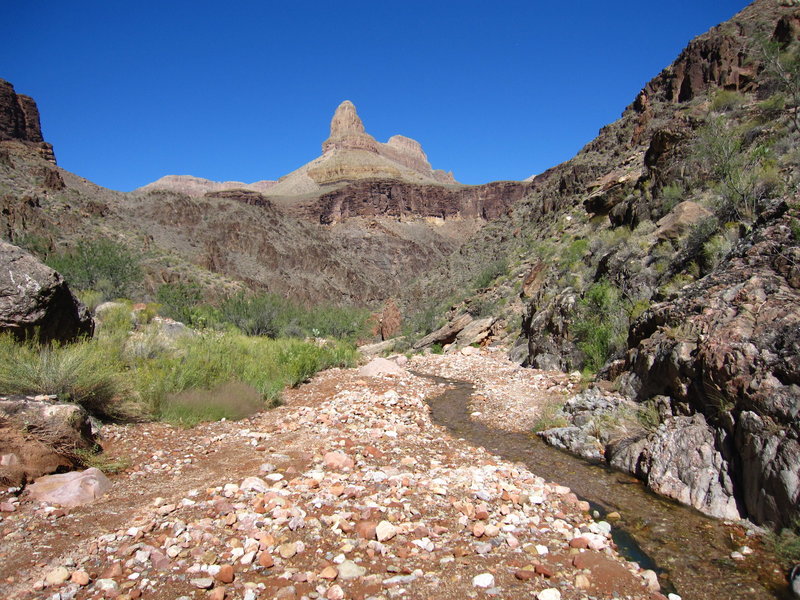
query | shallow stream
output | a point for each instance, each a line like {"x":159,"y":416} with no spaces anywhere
{"x":689,"y":551}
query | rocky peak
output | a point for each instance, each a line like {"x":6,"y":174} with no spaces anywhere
{"x":346,"y":121}
{"x":19,"y":119}
{"x":347,"y":131}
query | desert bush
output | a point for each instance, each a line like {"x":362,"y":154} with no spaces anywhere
{"x":700,"y":233}
{"x":90,"y":298}
{"x":87,"y":373}
{"x":726,"y":100}
{"x":671,"y":195}
{"x":574,"y":253}
{"x":714,"y":250}
{"x":490,"y":272}
{"x":338,"y":322}
{"x":178,"y":300}
{"x":601,"y":324}
{"x":739,"y":170}
{"x":255,"y":314}
{"x":103,"y":265}
{"x":781,"y":69}
{"x":786,"y":543}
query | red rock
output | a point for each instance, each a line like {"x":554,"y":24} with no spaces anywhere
{"x":265,"y":559}
{"x":544,"y":570}
{"x":225,"y":574}
{"x":525,"y":574}
{"x":579,"y":542}
{"x":216,"y":594}
{"x":366,"y":530}
{"x":373,"y":452}
{"x":114,"y":570}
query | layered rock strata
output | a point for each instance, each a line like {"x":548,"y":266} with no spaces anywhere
{"x":19,"y":120}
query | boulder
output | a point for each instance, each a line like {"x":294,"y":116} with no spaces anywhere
{"x":389,"y":321}
{"x":446,"y":334}
{"x":38,"y":437}
{"x":380,"y":366}
{"x":681,"y":460}
{"x":474,"y":333}
{"x":35,"y":301}
{"x":674,"y":224}
{"x":70,"y":489}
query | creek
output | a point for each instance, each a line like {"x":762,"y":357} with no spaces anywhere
{"x":689,"y":551}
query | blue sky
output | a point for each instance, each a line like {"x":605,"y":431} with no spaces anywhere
{"x":131,"y":91}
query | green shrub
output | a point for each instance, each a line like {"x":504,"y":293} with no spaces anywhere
{"x":177,"y":300}
{"x":574,"y":253}
{"x":725,"y":100}
{"x":795,"y":227}
{"x":671,"y":195}
{"x":700,"y":233}
{"x":437,"y":349}
{"x":337,"y":322}
{"x":772,"y":107}
{"x":491,"y":272}
{"x":736,"y":167}
{"x":87,"y":373}
{"x":90,"y":298}
{"x":115,"y":321}
{"x":601,"y":324}
{"x":103,"y":265}
{"x":207,"y":361}
{"x":786,"y":544}
{"x":255,"y":314}
{"x":714,"y":250}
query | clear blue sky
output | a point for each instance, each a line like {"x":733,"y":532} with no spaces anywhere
{"x":131,"y":91}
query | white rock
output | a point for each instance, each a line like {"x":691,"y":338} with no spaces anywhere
{"x":255,"y":484}
{"x":549,"y":594}
{"x":484,"y":580}
{"x":385,"y":531}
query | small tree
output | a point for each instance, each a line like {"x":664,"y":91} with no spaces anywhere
{"x":781,"y":65}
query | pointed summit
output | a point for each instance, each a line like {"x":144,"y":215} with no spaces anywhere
{"x":346,"y":120}
{"x":347,"y":131}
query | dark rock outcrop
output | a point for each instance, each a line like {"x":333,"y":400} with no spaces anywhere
{"x":378,"y":197}
{"x":19,"y":119}
{"x":35,"y":301}
{"x":728,"y":349}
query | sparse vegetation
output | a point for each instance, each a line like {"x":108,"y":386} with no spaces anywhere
{"x":601,"y":324}
{"x":491,"y":272}
{"x":87,"y":373}
{"x":740,"y":168}
{"x":168,"y":381}
{"x":786,"y":543}
{"x":102,"y":265}
{"x":550,"y":416}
